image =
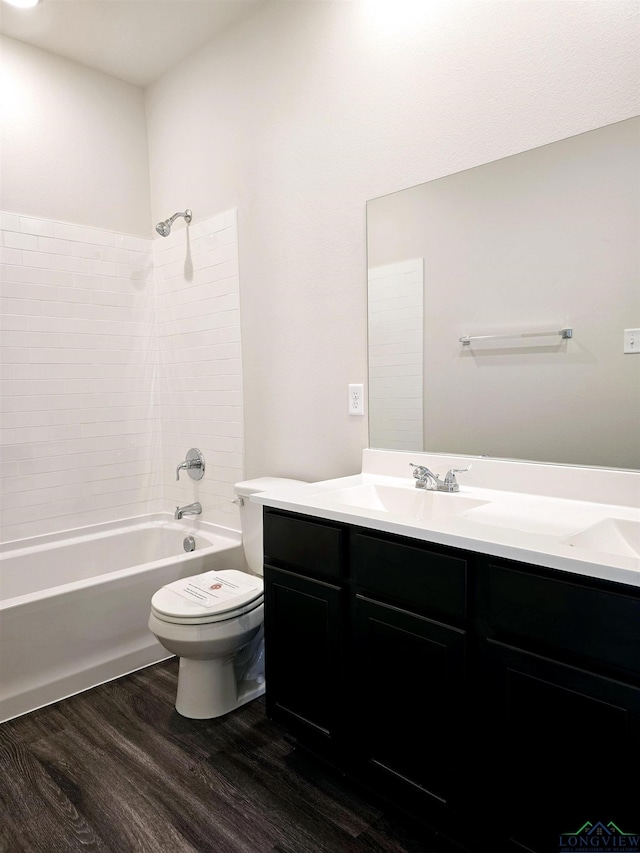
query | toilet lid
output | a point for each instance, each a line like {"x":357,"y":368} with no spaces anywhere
{"x":212,"y":594}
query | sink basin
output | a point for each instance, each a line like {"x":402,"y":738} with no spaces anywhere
{"x":406,"y":501}
{"x":618,"y":536}
{"x":534,"y":514}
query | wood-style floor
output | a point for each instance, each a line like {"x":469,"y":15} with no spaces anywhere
{"x":117,"y":770}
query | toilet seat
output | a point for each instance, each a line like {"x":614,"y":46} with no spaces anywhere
{"x":215,"y":596}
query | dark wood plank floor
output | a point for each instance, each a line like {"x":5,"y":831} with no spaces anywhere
{"x":117,"y":770}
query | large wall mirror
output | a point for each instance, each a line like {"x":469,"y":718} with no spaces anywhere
{"x":498,"y":303}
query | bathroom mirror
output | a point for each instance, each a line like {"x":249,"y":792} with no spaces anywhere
{"x":536,"y":259}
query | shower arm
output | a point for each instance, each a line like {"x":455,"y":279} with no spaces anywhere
{"x":187,"y":217}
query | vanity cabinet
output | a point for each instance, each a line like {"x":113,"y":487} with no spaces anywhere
{"x":305,"y":603}
{"x":409,"y":652}
{"x":496,"y":700}
{"x":559,"y":658}
{"x":409,"y":683}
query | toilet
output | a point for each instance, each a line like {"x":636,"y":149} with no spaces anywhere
{"x":208,"y":620}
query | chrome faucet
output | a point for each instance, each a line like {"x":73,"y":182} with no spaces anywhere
{"x":426,"y":479}
{"x":194,"y":464}
{"x":189,"y":509}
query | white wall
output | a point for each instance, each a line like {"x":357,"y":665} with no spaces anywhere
{"x":296,"y":118}
{"x":305,"y":111}
{"x":73,"y":144}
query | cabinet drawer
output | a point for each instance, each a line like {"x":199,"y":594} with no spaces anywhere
{"x":307,"y":546}
{"x":583,"y":621}
{"x":411,"y":574}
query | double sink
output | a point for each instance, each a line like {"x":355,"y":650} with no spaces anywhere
{"x":570,"y":524}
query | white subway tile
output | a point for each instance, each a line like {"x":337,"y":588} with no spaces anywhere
{"x":225,"y":237}
{"x":136,"y":244}
{"x":66,"y":432}
{"x":40,"y":227}
{"x":9,"y":222}
{"x":34,"y":450}
{"x":17,"y":240}
{"x":14,"y":322}
{"x":10,"y":256}
{"x":54,"y":245}
{"x":134,"y":272}
{"x":42,"y":260}
{"x":8,"y":469}
{"x":101,"y":267}
{"x":20,"y":420}
{"x":14,"y":355}
{"x":87,"y":361}
{"x":100,"y":238}
{"x":69,"y":232}
{"x":85,"y":250}
{"x":54,"y":278}
{"x":115,"y":255}
{"x":71,"y":264}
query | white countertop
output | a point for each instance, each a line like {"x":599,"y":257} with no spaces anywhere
{"x":547,"y":518}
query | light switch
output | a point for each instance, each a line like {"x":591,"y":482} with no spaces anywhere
{"x":631,"y":340}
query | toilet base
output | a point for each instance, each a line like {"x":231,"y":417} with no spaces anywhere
{"x":208,"y":689}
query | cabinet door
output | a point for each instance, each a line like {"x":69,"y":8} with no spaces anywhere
{"x":409,"y":674}
{"x":563,"y":744}
{"x":303,"y":660}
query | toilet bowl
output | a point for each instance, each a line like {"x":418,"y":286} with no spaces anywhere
{"x":207,"y":620}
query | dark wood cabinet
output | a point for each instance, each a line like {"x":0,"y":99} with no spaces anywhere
{"x":303,"y":654}
{"x":409,"y":649}
{"x":496,"y":700}
{"x":409,"y":682}
{"x":305,"y":603}
{"x":420,"y":577}
{"x":559,"y":666}
{"x":561,"y":741}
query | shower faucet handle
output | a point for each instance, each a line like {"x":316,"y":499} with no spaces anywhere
{"x":193,"y":463}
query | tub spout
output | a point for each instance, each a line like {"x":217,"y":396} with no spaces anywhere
{"x":189,"y":509}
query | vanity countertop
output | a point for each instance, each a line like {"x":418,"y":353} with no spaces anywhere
{"x":580,"y":520}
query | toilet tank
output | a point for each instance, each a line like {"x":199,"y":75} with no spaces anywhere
{"x":251,"y":516}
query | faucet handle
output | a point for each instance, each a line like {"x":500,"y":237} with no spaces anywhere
{"x":423,"y":475}
{"x":450,"y":479}
{"x":193,"y":463}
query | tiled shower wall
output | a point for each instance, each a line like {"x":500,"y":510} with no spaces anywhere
{"x":200,"y":375}
{"x":396,"y":373}
{"x":108,"y":376}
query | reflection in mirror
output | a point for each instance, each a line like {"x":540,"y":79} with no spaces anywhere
{"x":510,"y":254}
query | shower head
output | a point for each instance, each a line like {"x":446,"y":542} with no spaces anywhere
{"x":164,"y":228}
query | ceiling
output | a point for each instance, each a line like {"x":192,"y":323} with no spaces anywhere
{"x":134,"y":40}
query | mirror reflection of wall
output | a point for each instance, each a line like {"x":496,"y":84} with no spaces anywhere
{"x":396,"y":355}
{"x":539,"y":241}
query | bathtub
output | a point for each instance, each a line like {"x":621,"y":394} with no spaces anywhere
{"x":74,"y":606}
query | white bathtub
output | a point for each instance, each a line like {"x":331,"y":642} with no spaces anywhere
{"x":74,"y":606}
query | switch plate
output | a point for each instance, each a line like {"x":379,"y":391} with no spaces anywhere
{"x":631,"y":340}
{"x":356,"y":399}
